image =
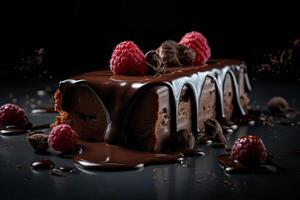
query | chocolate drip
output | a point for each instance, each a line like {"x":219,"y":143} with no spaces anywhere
{"x":117,"y":91}
{"x":103,"y":156}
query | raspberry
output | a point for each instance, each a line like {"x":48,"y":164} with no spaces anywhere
{"x":62,"y":138}
{"x":249,"y":150}
{"x":11,"y":114}
{"x":128,"y":59}
{"x":198,"y":43}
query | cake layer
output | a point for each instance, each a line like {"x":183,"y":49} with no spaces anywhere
{"x":155,"y":113}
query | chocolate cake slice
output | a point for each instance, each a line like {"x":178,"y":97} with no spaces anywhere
{"x":157,"y":112}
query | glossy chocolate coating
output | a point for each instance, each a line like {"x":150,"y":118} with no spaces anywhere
{"x":117,"y":92}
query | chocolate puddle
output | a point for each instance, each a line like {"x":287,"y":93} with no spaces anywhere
{"x":43,"y":110}
{"x":233,"y":167}
{"x":16,"y":130}
{"x":42,"y":164}
{"x":107,"y":157}
{"x":13,"y":131}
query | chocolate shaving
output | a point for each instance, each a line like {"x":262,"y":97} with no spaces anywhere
{"x":38,"y":141}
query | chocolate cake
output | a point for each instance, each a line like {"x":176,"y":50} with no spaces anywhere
{"x":153,"y":112}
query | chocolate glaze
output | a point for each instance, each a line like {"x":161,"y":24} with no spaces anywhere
{"x":115,"y":92}
{"x":103,"y":156}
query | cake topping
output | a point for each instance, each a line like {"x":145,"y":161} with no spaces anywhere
{"x":249,"y":150}
{"x":198,"y":43}
{"x":13,"y":115}
{"x":169,"y":54}
{"x":154,"y":63}
{"x":128,"y":59}
{"x":63,"y":138}
{"x":176,"y":55}
{"x":278,"y":106}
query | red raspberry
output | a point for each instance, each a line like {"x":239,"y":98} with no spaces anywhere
{"x":11,"y":114}
{"x":249,"y":150}
{"x":62,"y":138}
{"x":128,"y":59}
{"x":198,"y":43}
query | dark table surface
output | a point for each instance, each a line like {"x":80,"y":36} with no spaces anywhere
{"x":199,"y":178}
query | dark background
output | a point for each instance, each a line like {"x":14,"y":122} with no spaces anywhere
{"x":80,"y":35}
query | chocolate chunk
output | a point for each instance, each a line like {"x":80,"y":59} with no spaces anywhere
{"x":38,"y":141}
{"x":186,"y":55}
{"x":212,"y":128}
{"x":214,"y":131}
{"x":278,"y":106}
{"x":154,"y":63}
{"x":175,"y":55}
{"x":183,"y":139}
